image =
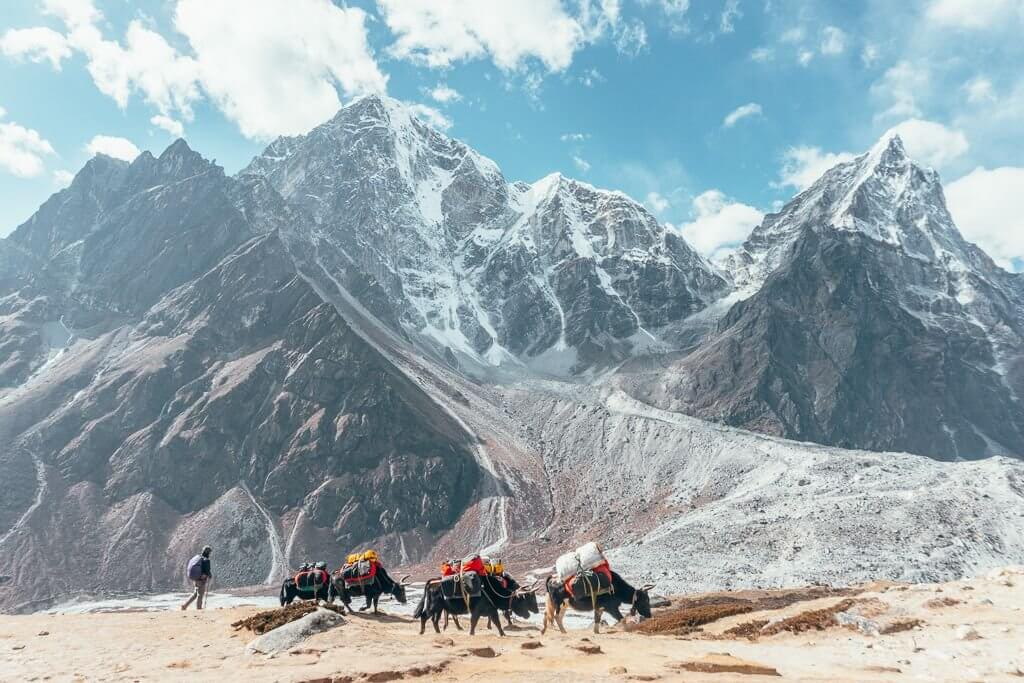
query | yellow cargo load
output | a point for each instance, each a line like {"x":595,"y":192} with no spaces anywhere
{"x":352,"y":558}
{"x":370,"y":555}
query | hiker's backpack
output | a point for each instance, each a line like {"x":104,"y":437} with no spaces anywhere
{"x":195,"y":568}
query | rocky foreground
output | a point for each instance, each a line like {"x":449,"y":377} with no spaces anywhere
{"x":970,"y":630}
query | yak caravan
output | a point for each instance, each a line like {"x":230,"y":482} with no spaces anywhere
{"x":479,"y":586}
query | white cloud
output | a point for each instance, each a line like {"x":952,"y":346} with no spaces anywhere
{"x":62,"y":178}
{"x":255,"y":60}
{"x":802,"y":166}
{"x":146,"y":63}
{"x":973,"y":14}
{"x":591,"y":77}
{"x":869,"y":55}
{"x":988,"y":207}
{"x":804,"y":57}
{"x":439,"y":34}
{"x":36,"y":44}
{"x":170,"y":125}
{"x":429,"y":115}
{"x":762,"y":54}
{"x":22,"y":149}
{"x":739,"y":113}
{"x":675,"y":8}
{"x":582,"y":164}
{"x":274,"y":67}
{"x":719,"y":223}
{"x":72,"y":12}
{"x":443,"y":93}
{"x":574,"y":137}
{"x":655,"y":202}
{"x":833,"y":41}
{"x":900,"y":87}
{"x":792,"y":35}
{"x":730,"y":13}
{"x":931,"y":143}
{"x":118,"y":148}
{"x":631,"y":38}
{"x":979,"y":90}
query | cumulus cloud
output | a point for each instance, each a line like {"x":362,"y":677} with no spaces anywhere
{"x":931,"y":143}
{"x":802,"y":166}
{"x":118,"y":148}
{"x":900,"y":87}
{"x":22,"y":149}
{"x":973,"y":14}
{"x":979,"y":90}
{"x":719,"y":223}
{"x":833,"y":41}
{"x":37,"y":44}
{"x":869,"y":55}
{"x":656,"y":202}
{"x":145,"y":63}
{"x":582,"y":164}
{"x":439,"y":34}
{"x":988,"y":207}
{"x":170,"y":125}
{"x":762,"y":54}
{"x":62,"y":178}
{"x":742,"y":112}
{"x":429,"y":115}
{"x":792,"y":35}
{"x":253,"y":59}
{"x":275,"y":67}
{"x":804,"y":57}
{"x":574,"y":137}
{"x":442,"y":93}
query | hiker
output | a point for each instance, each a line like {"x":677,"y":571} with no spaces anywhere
{"x":199,"y":573}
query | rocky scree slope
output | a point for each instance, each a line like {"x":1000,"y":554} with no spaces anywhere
{"x":694,"y":506}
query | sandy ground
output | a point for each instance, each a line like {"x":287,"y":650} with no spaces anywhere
{"x":172,"y":645}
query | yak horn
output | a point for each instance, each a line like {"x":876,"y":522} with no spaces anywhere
{"x":647,"y":586}
{"x":404,"y":580}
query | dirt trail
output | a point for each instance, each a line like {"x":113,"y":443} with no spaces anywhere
{"x":970,"y":630}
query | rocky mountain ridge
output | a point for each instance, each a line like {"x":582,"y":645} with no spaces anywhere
{"x":868,"y":322}
{"x":556,"y":275}
{"x":370,"y":336}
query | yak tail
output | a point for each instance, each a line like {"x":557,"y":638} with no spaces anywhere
{"x":422,"y":607}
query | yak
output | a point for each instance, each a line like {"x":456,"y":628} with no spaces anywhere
{"x":315,"y":590}
{"x":622,"y":593}
{"x":382,"y":583}
{"x":493,"y":597}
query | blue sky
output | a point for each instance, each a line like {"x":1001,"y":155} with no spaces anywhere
{"x":709,"y":111}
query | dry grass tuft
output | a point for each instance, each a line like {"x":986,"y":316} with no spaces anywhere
{"x":939,"y":603}
{"x":689,"y":619}
{"x":811,"y":620}
{"x":900,"y":625}
{"x":748,"y":629}
{"x":687,"y":615}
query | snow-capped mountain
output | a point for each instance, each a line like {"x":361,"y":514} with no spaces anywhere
{"x":290,"y":363}
{"x":868,"y":322}
{"x":558,"y":274}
